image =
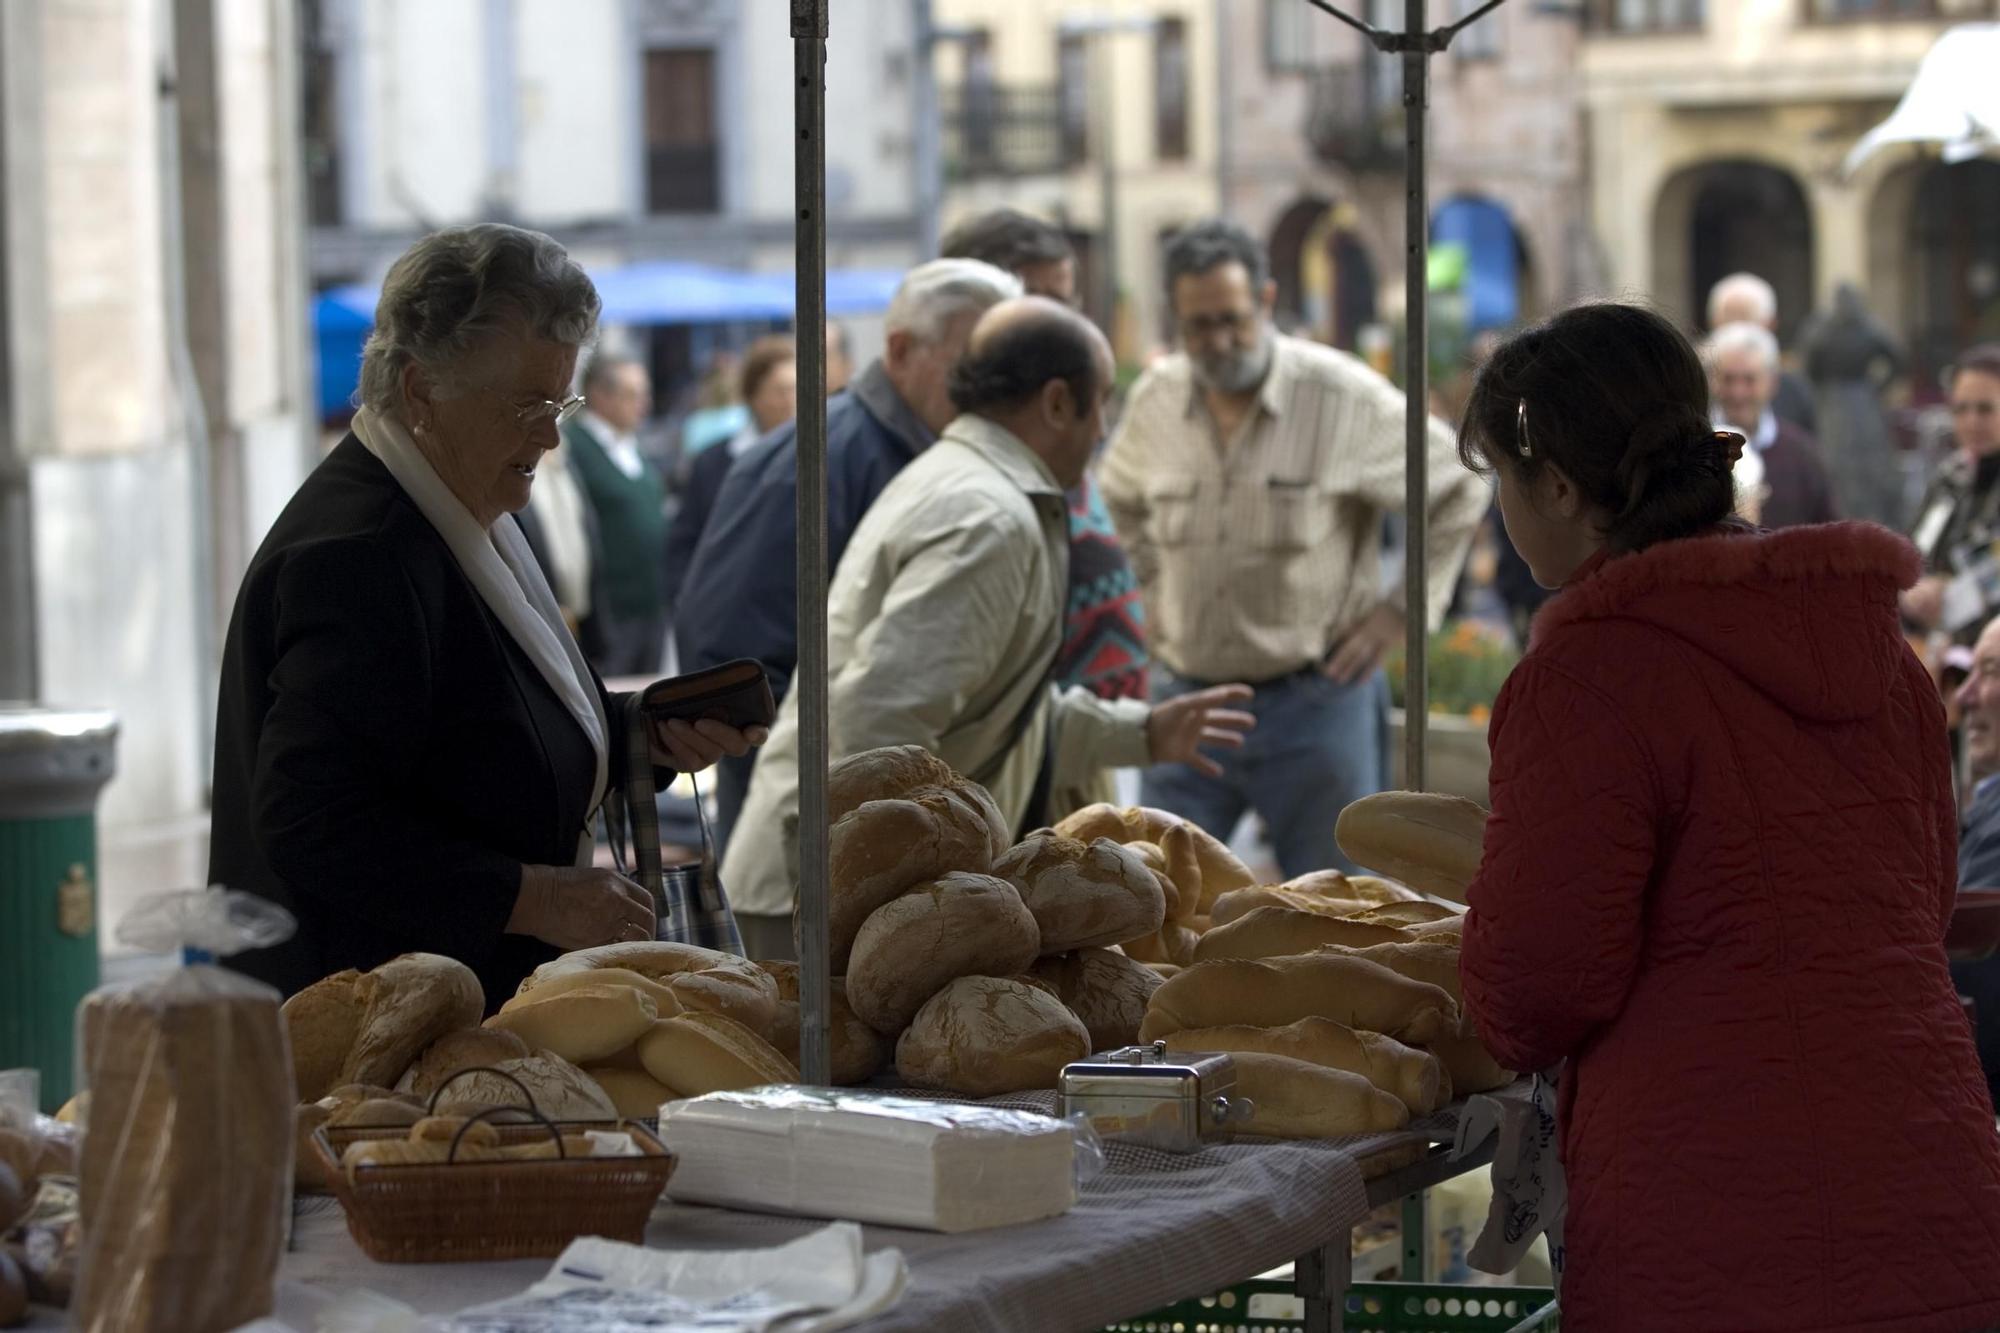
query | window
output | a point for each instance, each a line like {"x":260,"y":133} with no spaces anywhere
{"x":318,"y":78}
{"x":1481,"y":40}
{"x":1170,"y":89}
{"x":683,"y":159}
{"x":1648,"y":15}
{"x":981,"y":105}
{"x":1073,"y":95}
{"x":1298,"y":39}
{"x":1836,"y":11}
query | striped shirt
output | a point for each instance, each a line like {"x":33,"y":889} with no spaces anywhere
{"x":1258,"y":553}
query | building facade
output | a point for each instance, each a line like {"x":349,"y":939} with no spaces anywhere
{"x":1717,"y":136}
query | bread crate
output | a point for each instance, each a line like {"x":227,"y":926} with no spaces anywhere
{"x":1264,"y":1305}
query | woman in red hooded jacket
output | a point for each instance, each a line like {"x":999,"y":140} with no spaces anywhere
{"x":1718,"y":873}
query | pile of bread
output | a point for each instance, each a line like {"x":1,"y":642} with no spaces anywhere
{"x":1338,"y":995}
{"x":985,"y":965}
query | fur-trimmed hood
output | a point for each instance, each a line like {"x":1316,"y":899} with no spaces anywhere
{"x":1807,"y":615}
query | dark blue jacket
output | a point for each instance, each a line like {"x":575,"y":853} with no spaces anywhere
{"x":740,"y":598}
{"x":1979,"y":868}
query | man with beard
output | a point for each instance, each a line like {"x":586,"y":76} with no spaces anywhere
{"x":1249,"y":480}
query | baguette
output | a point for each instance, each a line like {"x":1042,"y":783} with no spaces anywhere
{"x":1239,"y":903}
{"x":584,"y":1024}
{"x":1405,"y":915}
{"x":701,"y":1053}
{"x":1271,"y":932}
{"x":1412,"y":1076}
{"x":1428,"y":841}
{"x":1271,"y":992}
{"x":1471,"y":1066}
{"x":1296,"y":1100}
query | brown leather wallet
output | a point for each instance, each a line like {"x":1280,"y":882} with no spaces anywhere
{"x":736,"y":694}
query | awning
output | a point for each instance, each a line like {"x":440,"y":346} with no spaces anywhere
{"x":1954,"y":101}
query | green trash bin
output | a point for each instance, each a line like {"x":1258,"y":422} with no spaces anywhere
{"x":53,"y":763}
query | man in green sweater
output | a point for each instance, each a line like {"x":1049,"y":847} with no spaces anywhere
{"x":628,"y":618}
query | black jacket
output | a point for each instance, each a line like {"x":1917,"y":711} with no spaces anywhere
{"x":386,"y":757}
{"x":1796,"y":474}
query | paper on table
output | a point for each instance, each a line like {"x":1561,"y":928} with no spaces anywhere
{"x":816,"y":1284}
{"x":1530,"y":1192}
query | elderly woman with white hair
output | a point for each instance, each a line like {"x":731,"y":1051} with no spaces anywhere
{"x":410,"y":750}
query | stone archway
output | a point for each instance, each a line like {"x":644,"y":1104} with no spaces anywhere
{"x":1287,"y":249}
{"x":1325,"y":276}
{"x":1717,"y":218}
{"x":1936,"y":223}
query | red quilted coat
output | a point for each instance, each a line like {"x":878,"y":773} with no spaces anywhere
{"x":1716,"y":879}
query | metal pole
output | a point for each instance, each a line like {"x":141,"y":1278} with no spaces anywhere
{"x":927,"y":150}
{"x":20,"y":64}
{"x":809,"y":30}
{"x":1416,"y":379}
{"x":1107,"y":150}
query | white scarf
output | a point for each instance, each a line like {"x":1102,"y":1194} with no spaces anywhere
{"x":501,"y":568}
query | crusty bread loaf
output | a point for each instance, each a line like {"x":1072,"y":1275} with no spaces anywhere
{"x":1429,"y":841}
{"x":1446,"y":929}
{"x":1435,"y":960}
{"x":911,"y":947}
{"x":1233,"y":906}
{"x":858,"y":1051}
{"x":186,"y":1173}
{"x":985,"y":1036}
{"x":883,"y":849}
{"x":1272,"y":932}
{"x":1292,"y":1099}
{"x":1472,"y":1067}
{"x":665,"y":1002}
{"x":322,"y":1022}
{"x":1404,"y":915}
{"x":558,"y":1089}
{"x":1104,"y":988}
{"x":1220,"y":869}
{"x":708,"y":980}
{"x":1271,"y":992}
{"x":584,"y":1024}
{"x":896,"y":771}
{"x":784,"y":1033}
{"x":1171,"y":943}
{"x":1083,"y":895}
{"x":1155,"y":860}
{"x":1182,"y":853}
{"x":1375,"y":889}
{"x":409,"y":1002}
{"x":636,"y":1093}
{"x":698,"y":1053}
{"x":377,"y":1113}
{"x":1411,"y":1075}
{"x":467,"y":1048}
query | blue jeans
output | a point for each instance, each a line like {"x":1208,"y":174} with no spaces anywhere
{"x":1317,"y":746}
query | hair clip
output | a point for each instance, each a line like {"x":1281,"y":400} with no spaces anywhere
{"x":1735,"y":443}
{"x":1521,"y":428}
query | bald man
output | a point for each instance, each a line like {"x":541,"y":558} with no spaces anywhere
{"x":947,"y":611}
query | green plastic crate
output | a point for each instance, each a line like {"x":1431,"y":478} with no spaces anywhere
{"x":1263,"y":1305}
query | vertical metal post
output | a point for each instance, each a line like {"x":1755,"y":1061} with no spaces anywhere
{"x":809,"y":30}
{"x":1416,"y":378}
{"x":927,"y":148}
{"x":1322,"y":1279}
{"x":20,"y":203}
{"x":1103,"y":98}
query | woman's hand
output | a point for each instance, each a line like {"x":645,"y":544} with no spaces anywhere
{"x":690,"y":747}
{"x":580,"y":907}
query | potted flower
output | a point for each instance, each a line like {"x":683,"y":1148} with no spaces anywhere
{"x":1466,"y":666}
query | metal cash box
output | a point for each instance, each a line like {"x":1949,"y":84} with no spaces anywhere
{"x":1142,"y":1095}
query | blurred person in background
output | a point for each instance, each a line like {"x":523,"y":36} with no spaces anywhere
{"x":1850,"y":360}
{"x":1960,"y":514}
{"x":1250,"y":479}
{"x":771,"y":392}
{"x":1104,"y":642}
{"x":1742,"y":361}
{"x":740,"y":596}
{"x":839,"y":358}
{"x":561,"y":529}
{"x":628,"y":495}
{"x":1978,"y":702}
{"x":1745,"y":298}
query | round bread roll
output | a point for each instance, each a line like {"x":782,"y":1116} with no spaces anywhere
{"x":323,"y":1021}
{"x":1082,"y":895}
{"x":583,"y":1025}
{"x":1105,"y":989}
{"x":1271,"y":992}
{"x":1272,"y":932}
{"x":897,"y":771}
{"x":1411,"y":1075}
{"x":409,"y":1002}
{"x":558,"y":1088}
{"x":911,"y":947}
{"x":1221,"y":871}
{"x":706,"y":980}
{"x":454,"y":1051}
{"x":636,"y":1093}
{"x":985,"y":1036}
{"x":858,"y":1052}
{"x":883,"y":849}
{"x":699,"y":1053}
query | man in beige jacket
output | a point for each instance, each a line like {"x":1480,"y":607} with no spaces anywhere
{"x":947,"y":611}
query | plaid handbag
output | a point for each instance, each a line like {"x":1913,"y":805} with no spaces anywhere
{"x":692,"y":907}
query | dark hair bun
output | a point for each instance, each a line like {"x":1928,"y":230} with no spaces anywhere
{"x":1676,"y":476}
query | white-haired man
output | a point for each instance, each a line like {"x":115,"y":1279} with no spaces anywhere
{"x":740,"y":597}
{"x":1743,"y":377}
{"x":1745,"y":298}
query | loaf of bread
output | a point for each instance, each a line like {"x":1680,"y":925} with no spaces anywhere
{"x":894,"y":772}
{"x":1155,"y":860}
{"x":1404,"y":915}
{"x":187,"y":1156}
{"x":1411,"y":1075}
{"x":1471,"y":1066}
{"x":1434,"y":962}
{"x":1234,"y":906}
{"x":1272,"y":932}
{"x":1428,"y":841}
{"x":912,"y":946}
{"x":985,"y":1036}
{"x":1375,"y":889}
{"x":1271,"y":992}
{"x":636,"y":1093}
{"x":701,"y":979}
{"x":1083,"y":895}
{"x":584,"y":1024}
{"x":323,"y":1021}
{"x":1182,"y":850}
{"x":699,"y":1053}
{"x":858,"y":1052}
{"x":558,"y":1089}
{"x":468,"y":1048}
{"x":1221,"y":871}
{"x":1172,"y":943}
{"x":1104,"y":988}
{"x":665,"y":1002}
{"x":1292,"y":1099}
{"x":368,"y":1027}
{"x":883,"y":849}
{"x":376,"y":1113}
{"x":784,"y":1033}
{"x":1446,"y":929}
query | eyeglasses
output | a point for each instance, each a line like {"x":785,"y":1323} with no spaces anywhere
{"x":1234,"y":321}
{"x":535,"y":413}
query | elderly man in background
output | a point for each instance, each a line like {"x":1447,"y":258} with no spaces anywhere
{"x":1250,"y":479}
{"x":1745,"y":298}
{"x":1029,"y":248}
{"x":947,"y":612}
{"x":1743,"y":376}
{"x":740,"y":596}
{"x":628,"y":495}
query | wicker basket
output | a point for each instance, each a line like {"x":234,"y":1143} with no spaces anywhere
{"x":460,"y":1212}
